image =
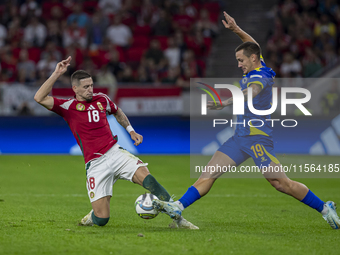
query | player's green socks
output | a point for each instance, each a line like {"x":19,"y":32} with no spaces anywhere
{"x":152,"y":185}
{"x":99,"y":221}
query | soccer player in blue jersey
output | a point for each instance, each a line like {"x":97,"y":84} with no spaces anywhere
{"x":255,"y":142}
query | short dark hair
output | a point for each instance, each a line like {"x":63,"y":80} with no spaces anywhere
{"x":250,"y":48}
{"x":79,"y":75}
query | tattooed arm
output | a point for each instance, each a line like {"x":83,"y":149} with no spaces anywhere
{"x":124,"y":122}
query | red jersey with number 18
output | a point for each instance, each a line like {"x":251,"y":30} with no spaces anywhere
{"x":88,"y":123}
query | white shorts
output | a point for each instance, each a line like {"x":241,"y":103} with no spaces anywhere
{"x":103,"y":172}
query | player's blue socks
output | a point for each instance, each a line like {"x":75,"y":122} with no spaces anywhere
{"x":190,"y":197}
{"x":313,"y":201}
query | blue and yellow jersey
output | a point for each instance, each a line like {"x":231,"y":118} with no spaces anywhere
{"x":263,"y":76}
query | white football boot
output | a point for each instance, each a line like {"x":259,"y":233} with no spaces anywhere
{"x":87,"y":220}
{"x":170,"y":208}
{"x":331,"y":216}
{"x":183,"y":223}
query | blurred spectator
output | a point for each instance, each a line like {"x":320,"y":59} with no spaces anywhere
{"x":163,"y":25}
{"x":25,"y":67}
{"x":47,"y":64}
{"x":311,"y":63}
{"x":330,"y":102}
{"x":182,"y":21}
{"x":110,"y":6}
{"x":104,"y":78}
{"x":115,"y":66}
{"x":74,"y":35}
{"x":190,"y":10}
{"x":8,"y":67}
{"x":330,"y":55}
{"x":205,"y":26}
{"x":173,"y":74}
{"x":35,"y":32}
{"x":196,"y":43}
{"x":172,"y":53}
{"x":325,"y":26}
{"x":143,"y":75}
{"x":290,"y":66}
{"x":78,"y":16}
{"x":3,"y":35}
{"x":97,"y":29}
{"x":190,"y":66}
{"x":127,"y":75}
{"x":180,"y":43}
{"x":15,"y":32}
{"x":30,"y":8}
{"x":88,"y":66}
{"x":51,"y":49}
{"x":54,"y":33}
{"x":155,"y":54}
{"x":118,"y":33}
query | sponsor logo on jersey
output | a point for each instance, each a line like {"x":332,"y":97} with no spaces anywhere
{"x":91,"y":107}
{"x":244,"y":80}
{"x":80,"y":107}
{"x":139,"y":162}
{"x":91,"y":194}
{"x":263,"y":159}
{"x":100,"y":106}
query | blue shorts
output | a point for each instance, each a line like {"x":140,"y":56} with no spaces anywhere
{"x":259,"y":147}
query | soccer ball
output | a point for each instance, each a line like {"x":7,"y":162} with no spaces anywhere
{"x":144,"y":208}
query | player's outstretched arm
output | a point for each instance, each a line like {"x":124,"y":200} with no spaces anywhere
{"x":123,"y":120}
{"x":256,"y":89}
{"x":230,"y":24}
{"x":42,"y":96}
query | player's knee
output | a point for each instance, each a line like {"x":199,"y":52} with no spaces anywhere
{"x":99,"y":221}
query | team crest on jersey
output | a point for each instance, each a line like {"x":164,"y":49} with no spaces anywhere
{"x":244,"y":80}
{"x":91,"y":194}
{"x":100,"y":106}
{"x":80,"y":107}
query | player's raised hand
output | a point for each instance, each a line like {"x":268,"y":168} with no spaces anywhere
{"x":62,"y":66}
{"x":211,"y":105}
{"x":230,"y":23}
{"x":136,"y":137}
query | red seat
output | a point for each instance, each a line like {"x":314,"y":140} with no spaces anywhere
{"x":90,"y":6}
{"x":212,"y":7}
{"x":135,"y":54}
{"x":142,"y":30}
{"x":163,"y":40}
{"x":141,"y":41}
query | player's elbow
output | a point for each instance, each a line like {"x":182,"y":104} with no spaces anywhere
{"x":37,"y":98}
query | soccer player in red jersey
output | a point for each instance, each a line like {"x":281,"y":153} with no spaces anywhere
{"x":105,"y":160}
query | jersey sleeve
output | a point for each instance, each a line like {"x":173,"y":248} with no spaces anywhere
{"x":259,"y":78}
{"x":59,"y":105}
{"x":111,"y":107}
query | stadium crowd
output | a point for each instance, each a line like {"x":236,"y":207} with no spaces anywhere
{"x":305,"y":37}
{"x":159,"y":42}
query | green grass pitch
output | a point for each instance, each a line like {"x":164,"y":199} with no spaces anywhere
{"x":42,"y":198}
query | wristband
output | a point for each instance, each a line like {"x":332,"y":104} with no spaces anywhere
{"x":129,"y":128}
